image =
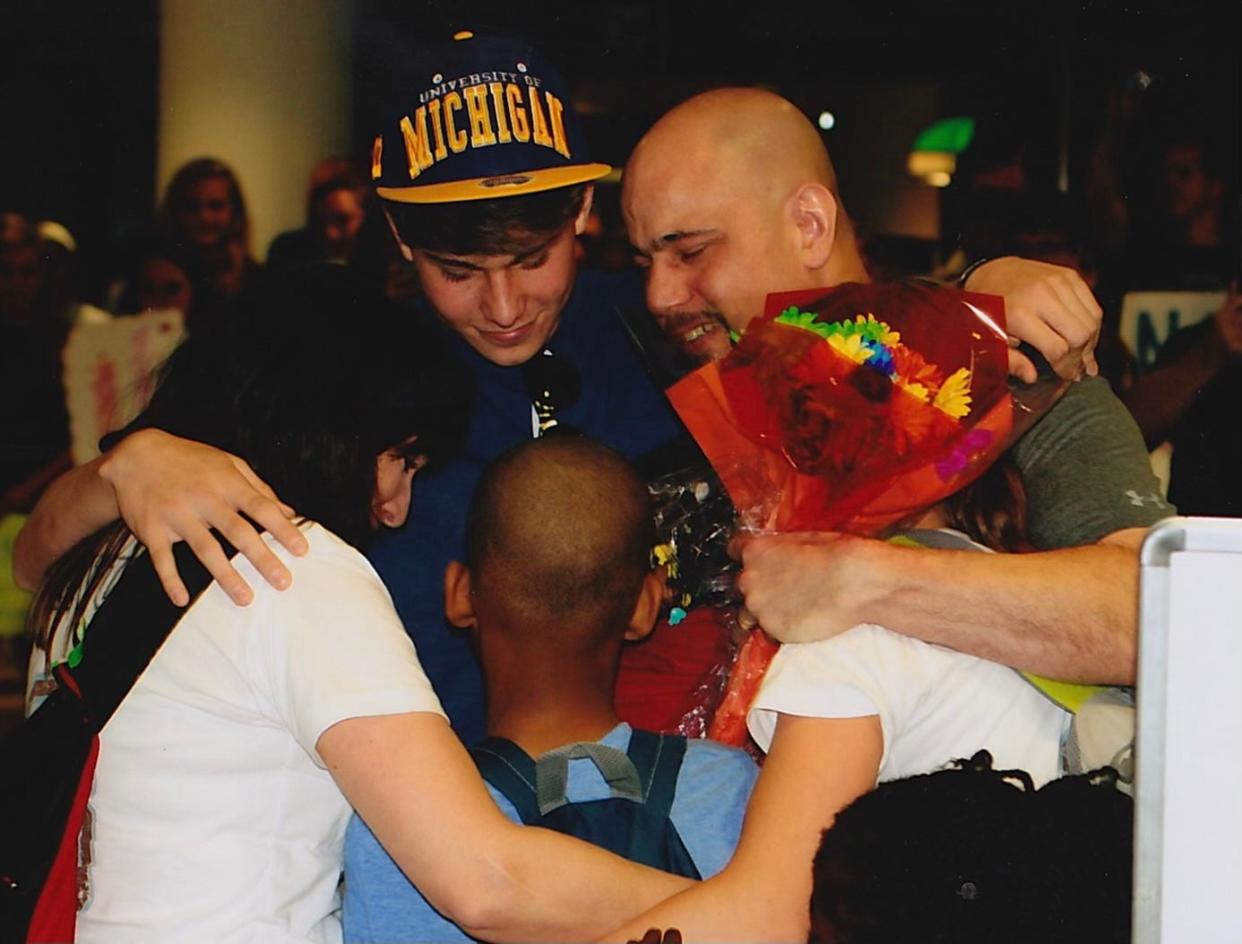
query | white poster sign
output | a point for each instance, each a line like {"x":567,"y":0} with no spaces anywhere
{"x":1148,"y":318}
{"x":109,"y":373}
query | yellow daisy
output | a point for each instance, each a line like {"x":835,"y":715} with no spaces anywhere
{"x":851,"y":346}
{"x":915,"y":389}
{"x":953,"y":398}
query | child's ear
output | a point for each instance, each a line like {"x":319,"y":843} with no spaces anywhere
{"x":458,"y":603}
{"x":647,"y":607}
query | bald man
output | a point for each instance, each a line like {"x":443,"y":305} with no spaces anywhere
{"x":731,"y":196}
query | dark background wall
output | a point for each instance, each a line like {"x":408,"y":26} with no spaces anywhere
{"x":77,"y":113}
{"x":78,"y":79}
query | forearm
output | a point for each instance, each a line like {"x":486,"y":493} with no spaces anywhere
{"x":1158,"y":399}
{"x":815,"y":768}
{"x":410,"y":779}
{"x":21,"y":497}
{"x":1070,"y":614}
{"x":725,"y":909}
{"x":554,"y":888}
{"x":76,"y":505}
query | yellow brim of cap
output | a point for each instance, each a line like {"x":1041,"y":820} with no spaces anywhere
{"x":505,"y":185}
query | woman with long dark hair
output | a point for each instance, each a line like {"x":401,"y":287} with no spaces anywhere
{"x":226,"y":776}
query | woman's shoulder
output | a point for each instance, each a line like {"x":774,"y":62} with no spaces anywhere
{"x":329,"y":562}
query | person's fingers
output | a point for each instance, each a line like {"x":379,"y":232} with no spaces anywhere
{"x":269,"y":516}
{"x":737,"y":545}
{"x":1078,"y":313}
{"x":248,"y":541}
{"x":250,"y":544}
{"x":1090,"y":364}
{"x":651,"y":937}
{"x":1078,"y":327}
{"x":1090,"y":304}
{"x":1020,"y":366}
{"x":1034,"y":330}
{"x":166,"y":570}
{"x":266,"y":491}
{"x":208,"y":550}
{"x":746,"y":619}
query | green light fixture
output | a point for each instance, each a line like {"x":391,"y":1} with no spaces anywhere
{"x":933,"y":158}
{"x":950,"y":135}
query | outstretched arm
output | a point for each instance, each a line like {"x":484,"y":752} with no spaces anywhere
{"x":1159,"y":397}
{"x":814,"y":769}
{"x":167,"y":490}
{"x":1048,"y":306}
{"x":74,"y":506}
{"x":410,"y":779}
{"x":22,"y":496}
{"x":1069,"y":614}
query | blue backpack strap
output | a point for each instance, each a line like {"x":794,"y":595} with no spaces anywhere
{"x":657,"y":758}
{"x":510,"y":770}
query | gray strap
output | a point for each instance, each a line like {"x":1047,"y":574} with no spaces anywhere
{"x":552,"y":773}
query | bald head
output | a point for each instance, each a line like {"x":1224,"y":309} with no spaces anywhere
{"x":729,"y":197}
{"x":558,"y":538}
{"x":752,"y":141}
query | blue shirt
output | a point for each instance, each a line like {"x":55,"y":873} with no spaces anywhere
{"x":618,"y":406}
{"x":713,"y":787}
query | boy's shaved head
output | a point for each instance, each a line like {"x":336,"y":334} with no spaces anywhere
{"x":558,"y":539}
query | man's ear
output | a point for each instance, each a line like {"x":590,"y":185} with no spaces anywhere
{"x":647,"y":607}
{"x":580,"y":221}
{"x":814,"y":211}
{"x":458,"y":603}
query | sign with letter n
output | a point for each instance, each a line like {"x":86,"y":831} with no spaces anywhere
{"x":1148,"y":318}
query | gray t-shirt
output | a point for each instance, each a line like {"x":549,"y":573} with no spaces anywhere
{"x":1086,"y":470}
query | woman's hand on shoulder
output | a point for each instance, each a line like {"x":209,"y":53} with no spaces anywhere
{"x":170,"y":489}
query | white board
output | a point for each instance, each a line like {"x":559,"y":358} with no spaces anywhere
{"x":1188,"y":782}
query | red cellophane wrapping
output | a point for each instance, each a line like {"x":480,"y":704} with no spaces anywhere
{"x":848,"y":409}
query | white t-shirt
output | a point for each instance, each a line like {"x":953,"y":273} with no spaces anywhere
{"x":934,"y":704}
{"x":212,"y":816}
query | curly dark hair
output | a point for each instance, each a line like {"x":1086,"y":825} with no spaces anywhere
{"x":972,"y":855}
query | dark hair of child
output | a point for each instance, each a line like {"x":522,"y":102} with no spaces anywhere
{"x":559,"y":535}
{"x":971,"y":855}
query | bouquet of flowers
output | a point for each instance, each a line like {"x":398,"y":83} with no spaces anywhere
{"x":851,"y":409}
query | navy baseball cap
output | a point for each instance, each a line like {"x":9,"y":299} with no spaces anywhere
{"x":476,"y":118}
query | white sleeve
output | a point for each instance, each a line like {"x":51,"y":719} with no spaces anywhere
{"x":332,"y":646}
{"x":868,"y":670}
